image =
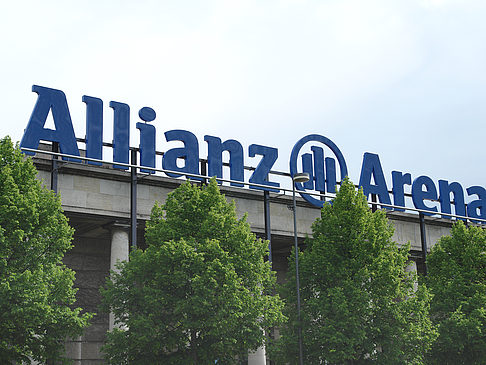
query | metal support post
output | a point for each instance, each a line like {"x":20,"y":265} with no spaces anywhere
{"x":423,"y":239}
{"x":133,"y":200}
{"x":297,"y":280}
{"x":204,"y":170}
{"x":374,"y":199}
{"x":298,"y":178}
{"x":268,"y":229}
{"x":54,"y":167}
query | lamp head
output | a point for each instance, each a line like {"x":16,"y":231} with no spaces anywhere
{"x":301,"y":177}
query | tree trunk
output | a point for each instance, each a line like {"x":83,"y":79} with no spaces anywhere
{"x":194,"y":348}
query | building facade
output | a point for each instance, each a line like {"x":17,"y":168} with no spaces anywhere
{"x":101,"y":203}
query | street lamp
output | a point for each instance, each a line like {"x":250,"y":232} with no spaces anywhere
{"x":298,"y":178}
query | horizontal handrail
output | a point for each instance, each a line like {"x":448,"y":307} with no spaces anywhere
{"x":266,"y":187}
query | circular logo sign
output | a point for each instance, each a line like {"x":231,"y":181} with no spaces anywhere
{"x":322,"y":170}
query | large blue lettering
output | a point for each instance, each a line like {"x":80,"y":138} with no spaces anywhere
{"x":477,"y":208}
{"x":260,"y":175}
{"x":372,"y":168}
{"x":419,"y":195}
{"x":147,"y":139}
{"x":189,"y":153}
{"x":331,"y":179}
{"x":47,"y":100}
{"x":215,"y":158}
{"x":307,"y":166}
{"x":399,"y":180}
{"x":94,"y":128}
{"x":445,"y":190}
{"x":322,"y":170}
{"x":319,"y":175}
{"x":121,"y":133}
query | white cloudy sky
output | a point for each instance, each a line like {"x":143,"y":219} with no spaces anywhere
{"x":404,"y":79}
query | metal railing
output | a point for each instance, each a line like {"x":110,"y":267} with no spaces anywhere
{"x":250,"y":184}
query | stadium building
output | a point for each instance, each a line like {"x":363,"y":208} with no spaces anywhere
{"x":108,"y":200}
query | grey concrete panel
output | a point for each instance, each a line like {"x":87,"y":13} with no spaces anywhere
{"x":89,"y":299}
{"x":91,"y":351}
{"x":254,"y":209}
{"x":45,"y":178}
{"x":283,"y":219}
{"x":143,"y":192}
{"x":113,"y":187}
{"x":100,"y":201}
{"x":434,"y":233}
{"x":95,"y":333}
{"x":407,"y":232}
{"x":152,"y":194}
{"x":73,"y":349}
{"x":87,"y":262}
{"x":90,"y":246}
{"x":157,"y":193}
{"x":73,"y":198}
{"x":66,"y":181}
{"x":90,"y":279}
{"x":87,"y":183}
{"x":121,"y":204}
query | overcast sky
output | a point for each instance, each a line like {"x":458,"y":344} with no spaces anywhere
{"x":403,"y":79}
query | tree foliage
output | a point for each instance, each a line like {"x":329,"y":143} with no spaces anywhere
{"x":200,"y":292}
{"x":358,"y":301}
{"x":36,"y":289}
{"x":457,"y":278}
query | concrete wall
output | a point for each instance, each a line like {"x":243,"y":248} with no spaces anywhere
{"x":106,"y":192}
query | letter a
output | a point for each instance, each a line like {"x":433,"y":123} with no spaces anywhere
{"x":48,"y":99}
{"x":372,"y":168}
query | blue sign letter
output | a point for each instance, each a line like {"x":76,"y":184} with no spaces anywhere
{"x":260,"y":176}
{"x":55,"y":100}
{"x":372,"y":168}
{"x":121,"y":133}
{"x":477,"y":208}
{"x":398,"y":181}
{"x":147,"y":139}
{"x":189,"y":153}
{"x":445,"y":190}
{"x":419,"y":195}
{"x":215,"y":158}
{"x":94,"y":128}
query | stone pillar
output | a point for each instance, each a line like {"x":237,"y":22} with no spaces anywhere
{"x":119,"y":252}
{"x":74,"y":350}
{"x":412,"y":267}
{"x":257,"y":357}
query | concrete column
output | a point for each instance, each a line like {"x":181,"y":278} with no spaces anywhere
{"x":257,"y":357}
{"x":74,"y":350}
{"x":412,"y":267}
{"x":119,"y":252}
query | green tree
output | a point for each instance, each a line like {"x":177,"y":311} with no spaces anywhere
{"x":36,"y":289}
{"x":200,"y":292}
{"x":457,"y":279}
{"x":358,"y":301}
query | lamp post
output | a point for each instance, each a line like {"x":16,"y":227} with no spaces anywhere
{"x":298,"y":178}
